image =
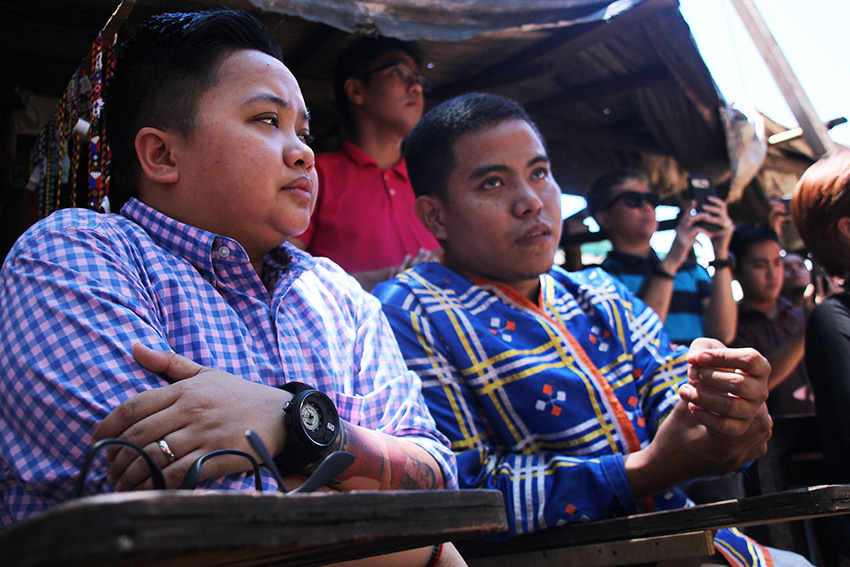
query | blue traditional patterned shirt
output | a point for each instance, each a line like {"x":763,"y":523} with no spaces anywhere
{"x":543,"y":401}
{"x":80,"y":288}
{"x":691,"y":286}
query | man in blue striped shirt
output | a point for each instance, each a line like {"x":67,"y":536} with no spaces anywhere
{"x":688,"y":301}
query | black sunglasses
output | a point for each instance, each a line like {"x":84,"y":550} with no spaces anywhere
{"x":634,"y":199}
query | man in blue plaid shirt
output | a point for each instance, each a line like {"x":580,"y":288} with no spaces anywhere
{"x":562,"y":390}
{"x":189,"y":302}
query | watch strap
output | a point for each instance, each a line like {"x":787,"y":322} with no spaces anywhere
{"x":657,"y":270}
{"x":296,"y":388}
{"x":725,"y":263}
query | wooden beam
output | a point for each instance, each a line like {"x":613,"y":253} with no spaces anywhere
{"x":589,"y":136}
{"x":797,"y":132}
{"x":785,"y":506}
{"x":684,"y":549}
{"x":527,"y":63}
{"x":814,"y":130}
{"x":602,"y":89}
{"x":246,"y":529}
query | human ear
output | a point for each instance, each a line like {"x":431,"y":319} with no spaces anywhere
{"x":429,"y":209}
{"x":154,"y":148}
{"x":844,"y":228}
{"x":353,"y":89}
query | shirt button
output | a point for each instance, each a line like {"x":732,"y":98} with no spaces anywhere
{"x":224,"y":251}
{"x":392,"y":191}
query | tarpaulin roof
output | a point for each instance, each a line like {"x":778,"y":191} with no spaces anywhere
{"x":452,"y":20}
{"x":609,"y":83}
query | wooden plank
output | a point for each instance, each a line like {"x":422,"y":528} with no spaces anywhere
{"x":814,"y":131}
{"x":680,"y":549}
{"x":243,"y":529}
{"x":785,"y":506}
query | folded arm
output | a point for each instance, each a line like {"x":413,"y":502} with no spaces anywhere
{"x":206,"y":409}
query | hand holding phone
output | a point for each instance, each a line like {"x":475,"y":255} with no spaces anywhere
{"x":702,"y":187}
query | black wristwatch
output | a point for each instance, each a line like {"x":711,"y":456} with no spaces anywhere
{"x":312,"y":428}
{"x":725,"y":263}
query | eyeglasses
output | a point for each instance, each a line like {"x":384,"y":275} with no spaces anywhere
{"x":634,"y":199}
{"x":405,"y":74}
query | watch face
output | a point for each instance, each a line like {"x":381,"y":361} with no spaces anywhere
{"x":311,"y":416}
{"x":318,"y":418}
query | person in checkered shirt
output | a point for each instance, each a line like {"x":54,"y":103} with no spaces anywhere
{"x":174,"y":323}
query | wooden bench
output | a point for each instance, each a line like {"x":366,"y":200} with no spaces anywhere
{"x":238,"y":529}
{"x":669,"y":538}
{"x":175,"y":528}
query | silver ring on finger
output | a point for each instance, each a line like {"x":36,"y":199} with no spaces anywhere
{"x":166,"y":450}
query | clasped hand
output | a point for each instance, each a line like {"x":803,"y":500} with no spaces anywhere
{"x":203,"y":410}
{"x":720,"y":423}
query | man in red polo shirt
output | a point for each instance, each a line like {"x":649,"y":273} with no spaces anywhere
{"x":364,"y":218}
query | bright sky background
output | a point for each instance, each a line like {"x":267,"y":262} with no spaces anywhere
{"x":813,"y":36}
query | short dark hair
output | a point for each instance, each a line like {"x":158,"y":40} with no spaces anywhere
{"x":429,"y":148}
{"x":161,"y":73}
{"x":747,"y":236}
{"x":356,"y":59}
{"x":601,"y":191}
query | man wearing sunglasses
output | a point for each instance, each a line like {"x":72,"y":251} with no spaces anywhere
{"x":683,"y":294}
{"x":364,"y":218}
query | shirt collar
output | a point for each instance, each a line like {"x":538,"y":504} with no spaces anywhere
{"x":362,"y":159}
{"x":201,"y":248}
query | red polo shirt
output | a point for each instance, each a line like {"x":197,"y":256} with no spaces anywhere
{"x":365,"y":217}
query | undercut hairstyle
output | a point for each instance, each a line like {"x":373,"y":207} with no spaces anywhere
{"x":358,"y":57}
{"x":821,"y":199}
{"x":161,"y":72}
{"x":429,"y":148}
{"x":602,"y":190}
{"x":747,"y":236}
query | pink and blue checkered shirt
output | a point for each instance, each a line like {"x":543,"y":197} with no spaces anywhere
{"x":80,"y":288}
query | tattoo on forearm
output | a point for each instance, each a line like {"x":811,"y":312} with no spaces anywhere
{"x":387,"y":462}
{"x":415,"y":475}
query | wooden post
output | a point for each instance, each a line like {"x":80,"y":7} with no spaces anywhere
{"x":814,"y":130}
{"x":118,"y":17}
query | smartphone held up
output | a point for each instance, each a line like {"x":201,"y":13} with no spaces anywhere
{"x":701,"y":187}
